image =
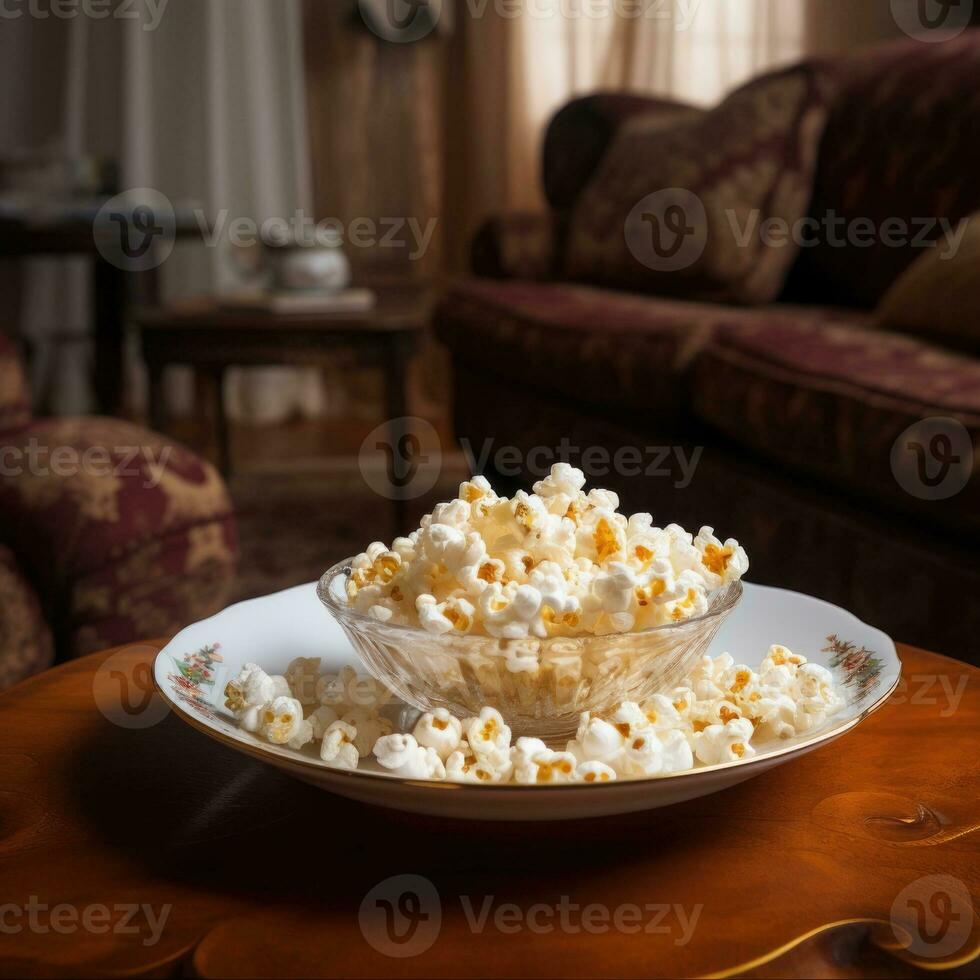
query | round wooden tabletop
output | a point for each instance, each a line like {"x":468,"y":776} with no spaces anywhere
{"x":134,"y":845}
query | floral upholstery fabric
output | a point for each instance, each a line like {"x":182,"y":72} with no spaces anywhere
{"x":581,"y":132}
{"x":938,"y":296}
{"x":831,"y":399}
{"x":717,"y":177}
{"x":26,"y":645}
{"x":518,"y":245}
{"x":124,"y":534}
{"x":626,"y":355}
{"x":900,"y":143}
{"x":15,"y":404}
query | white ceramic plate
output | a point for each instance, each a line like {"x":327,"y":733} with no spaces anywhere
{"x":192,"y":670}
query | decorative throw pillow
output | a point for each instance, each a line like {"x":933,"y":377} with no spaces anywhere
{"x":938,"y":295}
{"x":706,"y":207}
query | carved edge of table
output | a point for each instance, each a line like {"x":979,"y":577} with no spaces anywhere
{"x":230,"y":941}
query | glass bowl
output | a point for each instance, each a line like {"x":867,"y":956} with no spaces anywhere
{"x":539,"y":686}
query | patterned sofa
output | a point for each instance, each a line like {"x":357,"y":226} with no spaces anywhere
{"x":108,"y":533}
{"x":778,"y":374}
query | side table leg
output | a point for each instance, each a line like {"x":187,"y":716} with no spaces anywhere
{"x":157,"y":400}
{"x":109,"y":298}
{"x":222,"y":431}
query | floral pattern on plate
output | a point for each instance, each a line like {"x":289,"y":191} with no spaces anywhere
{"x":858,"y":666}
{"x":195,"y":676}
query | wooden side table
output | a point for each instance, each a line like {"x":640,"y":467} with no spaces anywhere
{"x":111,"y":289}
{"x":133,"y":845}
{"x":211,"y":339}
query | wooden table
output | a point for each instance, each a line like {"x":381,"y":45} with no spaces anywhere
{"x":240,"y":871}
{"x":211,"y":339}
{"x":112,"y":287}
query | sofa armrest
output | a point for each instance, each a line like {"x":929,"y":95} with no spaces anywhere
{"x":581,"y":132}
{"x":26,"y":645}
{"x":518,"y":245}
{"x":123,"y":533}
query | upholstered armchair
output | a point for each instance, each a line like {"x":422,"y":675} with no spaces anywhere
{"x":108,"y":533}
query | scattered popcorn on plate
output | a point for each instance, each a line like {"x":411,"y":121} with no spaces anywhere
{"x":720,"y":713}
{"x":555,"y":562}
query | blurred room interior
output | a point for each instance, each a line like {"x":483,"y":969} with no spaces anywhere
{"x":445,"y":160}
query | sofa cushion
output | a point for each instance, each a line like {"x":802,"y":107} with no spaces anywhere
{"x":619,"y":353}
{"x":123,"y":533}
{"x":900,"y":147}
{"x":25,"y":640}
{"x":15,"y":403}
{"x":581,"y":131}
{"x":518,"y":245}
{"x":832,"y":399}
{"x":688,"y":207}
{"x":938,"y":295}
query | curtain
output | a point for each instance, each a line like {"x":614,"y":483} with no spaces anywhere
{"x":450,"y":126}
{"x":507,"y":75}
{"x":209,"y":108}
{"x":46,"y":299}
{"x":215,"y":113}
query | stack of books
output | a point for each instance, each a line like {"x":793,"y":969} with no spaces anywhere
{"x":300,"y":301}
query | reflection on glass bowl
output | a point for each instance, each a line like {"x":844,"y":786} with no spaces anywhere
{"x":539,"y":686}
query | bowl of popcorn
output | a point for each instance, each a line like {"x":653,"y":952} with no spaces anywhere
{"x":543,"y":606}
